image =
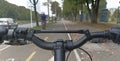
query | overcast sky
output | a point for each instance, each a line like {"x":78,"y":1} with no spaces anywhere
{"x":41,"y":8}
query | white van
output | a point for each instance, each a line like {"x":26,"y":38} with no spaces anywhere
{"x":8,"y":22}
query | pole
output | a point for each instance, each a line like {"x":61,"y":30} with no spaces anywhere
{"x":34,"y":2}
{"x":31,"y":16}
{"x":118,"y":15}
{"x":36,"y":14}
{"x":48,"y":9}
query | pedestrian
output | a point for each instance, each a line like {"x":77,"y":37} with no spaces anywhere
{"x":43,"y":20}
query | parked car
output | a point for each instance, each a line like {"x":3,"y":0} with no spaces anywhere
{"x":8,"y":23}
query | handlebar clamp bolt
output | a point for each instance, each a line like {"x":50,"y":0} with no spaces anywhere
{"x":59,"y":44}
{"x":69,"y":45}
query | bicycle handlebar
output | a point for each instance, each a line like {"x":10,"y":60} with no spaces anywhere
{"x":72,"y":45}
{"x":59,"y":46}
{"x":68,"y":44}
{"x":112,"y":34}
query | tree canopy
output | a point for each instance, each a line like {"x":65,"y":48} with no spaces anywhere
{"x":55,"y":8}
{"x":92,"y":7}
{"x":71,"y":8}
{"x":13,"y":11}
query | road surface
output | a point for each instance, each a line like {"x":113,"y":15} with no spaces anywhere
{"x":30,"y":52}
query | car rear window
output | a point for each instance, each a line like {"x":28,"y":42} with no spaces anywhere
{"x":1,"y":21}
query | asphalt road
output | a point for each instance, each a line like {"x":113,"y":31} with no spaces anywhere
{"x":30,"y":52}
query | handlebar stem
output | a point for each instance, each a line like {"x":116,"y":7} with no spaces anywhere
{"x":59,"y":50}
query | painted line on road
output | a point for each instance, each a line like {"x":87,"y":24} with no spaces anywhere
{"x":46,"y":38}
{"x":69,"y":36}
{"x":31,"y":56}
{"x":77,"y":55}
{"x":4,"y":48}
{"x":10,"y":59}
{"x":75,"y":51}
{"x":51,"y":59}
{"x":33,"y":53}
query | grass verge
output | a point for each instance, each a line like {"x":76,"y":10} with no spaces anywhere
{"x":23,"y":22}
{"x":99,"y":25}
{"x":40,"y":27}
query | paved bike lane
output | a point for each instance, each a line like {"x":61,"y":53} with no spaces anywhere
{"x":96,"y":50}
{"x":30,"y":52}
{"x":99,"y":51}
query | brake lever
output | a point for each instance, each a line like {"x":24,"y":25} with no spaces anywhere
{"x":115,"y":34}
{"x":21,"y":32}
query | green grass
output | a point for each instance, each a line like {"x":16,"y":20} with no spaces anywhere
{"x":112,"y":22}
{"x":39,"y":27}
{"x":23,"y":21}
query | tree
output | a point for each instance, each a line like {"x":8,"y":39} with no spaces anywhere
{"x":13,"y":11}
{"x":67,"y":8}
{"x":55,"y":8}
{"x":102,"y":4}
{"x":115,"y":14}
{"x":71,"y":8}
{"x":47,"y":4}
{"x":10,"y":13}
{"x":93,"y":9}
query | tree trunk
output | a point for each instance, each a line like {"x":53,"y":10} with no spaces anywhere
{"x":94,"y":16}
{"x":94,"y":19}
{"x":94,"y":11}
{"x":75,"y":18}
{"x":36,"y":18}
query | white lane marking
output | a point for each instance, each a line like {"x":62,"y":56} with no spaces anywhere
{"x":67,"y":33}
{"x":77,"y":55}
{"x":10,"y":59}
{"x":5,"y":41}
{"x":46,"y":38}
{"x":4,"y":48}
{"x":75,"y":51}
{"x":51,"y":59}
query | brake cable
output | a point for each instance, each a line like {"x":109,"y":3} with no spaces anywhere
{"x":86,"y":53}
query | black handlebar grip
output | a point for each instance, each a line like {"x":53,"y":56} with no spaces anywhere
{"x":20,"y":32}
{"x":115,"y":34}
{"x":3,"y":31}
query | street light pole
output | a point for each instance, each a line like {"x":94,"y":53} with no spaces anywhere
{"x":34,"y":2}
{"x":48,"y":9}
{"x":118,"y":14}
{"x":31,"y":15}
